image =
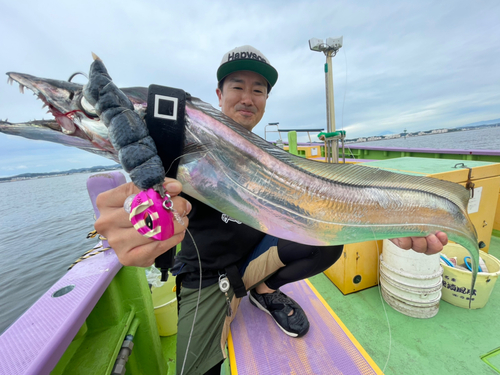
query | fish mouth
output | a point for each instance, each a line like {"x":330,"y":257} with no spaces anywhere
{"x":60,"y":97}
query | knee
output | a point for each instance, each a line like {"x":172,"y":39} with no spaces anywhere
{"x":326,"y":256}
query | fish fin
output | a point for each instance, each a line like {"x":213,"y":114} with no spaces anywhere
{"x":348,"y":174}
{"x":366,"y":176}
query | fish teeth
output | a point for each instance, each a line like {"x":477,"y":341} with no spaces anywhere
{"x":21,"y":89}
{"x":10,"y":80}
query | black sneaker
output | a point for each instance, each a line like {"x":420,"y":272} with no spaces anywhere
{"x":279,"y":305}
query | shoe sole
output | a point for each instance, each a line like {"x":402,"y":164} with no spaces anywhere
{"x":262,"y":308}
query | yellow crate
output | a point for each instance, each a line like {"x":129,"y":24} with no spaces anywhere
{"x":357,"y":267}
{"x":309,"y":152}
{"x":484,"y":218}
{"x":496,"y":224}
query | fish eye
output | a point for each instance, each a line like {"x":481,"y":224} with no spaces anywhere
{"x":148,"y":221}
{"x":88,"y":108}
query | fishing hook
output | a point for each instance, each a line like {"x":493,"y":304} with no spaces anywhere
{"x":75,"y":74}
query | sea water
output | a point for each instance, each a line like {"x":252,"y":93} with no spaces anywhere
{"x":44,"y":223}
{"x":479,"y":139}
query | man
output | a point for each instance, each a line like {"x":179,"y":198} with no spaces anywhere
{"x":229,"y":249}
{"x":245,"y":78}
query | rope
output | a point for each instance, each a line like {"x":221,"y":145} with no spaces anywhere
{"x":90,"y":253}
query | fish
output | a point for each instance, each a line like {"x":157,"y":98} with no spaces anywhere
{"x":252,"y":181}
{"x":50,"y":131}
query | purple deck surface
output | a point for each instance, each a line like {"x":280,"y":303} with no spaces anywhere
{"x":260,"y":347}
{"x":37,"y":340}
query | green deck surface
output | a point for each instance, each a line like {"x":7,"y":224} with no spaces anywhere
{"x":425,"y":166}
{"x":449,"y":343}
{"x":452,"y":342}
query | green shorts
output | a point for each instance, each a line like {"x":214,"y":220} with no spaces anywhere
{"x":208,"y":341}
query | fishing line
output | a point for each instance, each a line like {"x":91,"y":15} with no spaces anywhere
{"x":199,"y":264}
{"x":178,"y":157}
{"x":197,"y":302}
{"x":382,"y":300}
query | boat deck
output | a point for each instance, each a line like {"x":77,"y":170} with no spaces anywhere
{"x":449,"y":343}
{"x":452,"y":342}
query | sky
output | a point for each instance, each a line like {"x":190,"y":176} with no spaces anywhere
{"x":414,"y":65}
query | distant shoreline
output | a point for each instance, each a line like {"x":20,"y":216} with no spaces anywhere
{"x":32,"y":176}
{"x":419,"y":133}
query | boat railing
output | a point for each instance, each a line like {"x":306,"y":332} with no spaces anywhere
{"x":279,"y":131}
{"x":47,"y":338}
{"x":35,"y":343}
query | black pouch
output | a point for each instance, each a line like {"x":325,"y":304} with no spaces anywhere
{"x":233,"y":274}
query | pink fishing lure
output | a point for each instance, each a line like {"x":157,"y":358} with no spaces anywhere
{"x":152,"y":216}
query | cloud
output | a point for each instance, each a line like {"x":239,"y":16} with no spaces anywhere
{"x":415,"y":65}
{"x":13,"y":167}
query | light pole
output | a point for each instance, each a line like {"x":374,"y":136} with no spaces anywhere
{"x":330,"y":49}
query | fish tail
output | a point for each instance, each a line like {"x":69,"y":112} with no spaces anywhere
{"x":472,"y":246}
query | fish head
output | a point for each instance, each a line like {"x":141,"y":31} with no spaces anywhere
{"x":63,"y":99}
{"x":74,"y":115}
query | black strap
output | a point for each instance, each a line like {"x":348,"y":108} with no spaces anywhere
{"x":178,"y":286}
{"x":165,"y":121}
{"x":233,"y":274}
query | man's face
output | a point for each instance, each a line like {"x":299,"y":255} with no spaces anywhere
{"x":243,"y":98}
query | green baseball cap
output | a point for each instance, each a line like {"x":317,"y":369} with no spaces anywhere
{"x":247,"y":58}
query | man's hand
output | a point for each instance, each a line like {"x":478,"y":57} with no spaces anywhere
{"x":431,"y":244}
{"x":132,"y":248}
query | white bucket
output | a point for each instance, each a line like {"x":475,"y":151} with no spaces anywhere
{"x":410,"y":282}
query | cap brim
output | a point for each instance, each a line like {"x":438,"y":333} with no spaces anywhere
{"x":265,"y":70}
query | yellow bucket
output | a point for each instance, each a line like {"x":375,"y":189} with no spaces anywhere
{"x":165,"y":307}
{"x":456,"y":282}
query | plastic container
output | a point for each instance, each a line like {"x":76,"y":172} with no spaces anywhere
{"x":410,"y":282}
{"x":165,"y":307}
{"x":457,"y":282}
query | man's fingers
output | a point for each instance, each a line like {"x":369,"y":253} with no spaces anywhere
{"x":120,"y":232}
{"x":431,"y":244}
{"x":145,"y":255}
{"x":442,"y":237}
{"x":131,"y":247}
{"x":115,"y":197}
{"x":403,"y":243}
{"x":434,"y":244}
{"x":130,"y":244}
{"x":419,"y":244}
{"x":172,"y":186}
{"x":182,"y":206}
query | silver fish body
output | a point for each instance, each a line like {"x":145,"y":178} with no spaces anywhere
{"x":240,"y":174}
{"x":312,"y":202}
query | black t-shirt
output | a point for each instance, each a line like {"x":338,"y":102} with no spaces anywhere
{"x":221,"y":240}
